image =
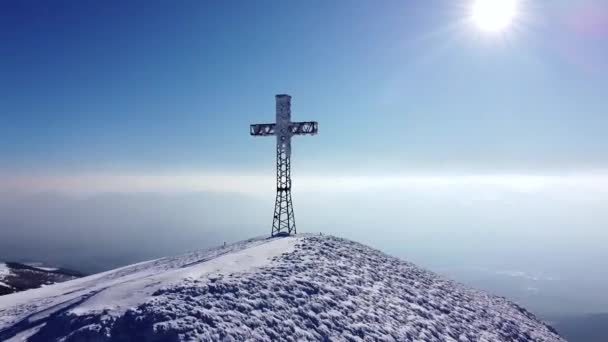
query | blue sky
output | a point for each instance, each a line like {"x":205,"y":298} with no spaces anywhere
{"x":406,"y":85}
{"x":124,"y":128}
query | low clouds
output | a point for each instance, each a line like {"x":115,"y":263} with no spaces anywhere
{"x":524,"y":275}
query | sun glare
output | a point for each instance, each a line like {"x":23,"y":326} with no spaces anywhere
{"x":493,"y":15}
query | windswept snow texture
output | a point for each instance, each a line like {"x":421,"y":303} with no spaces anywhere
{"x":293,"y":288}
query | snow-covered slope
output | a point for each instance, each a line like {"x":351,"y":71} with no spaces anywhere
{"x":291,"y":288}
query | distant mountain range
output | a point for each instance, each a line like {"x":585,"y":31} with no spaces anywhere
{"x":16,"y":277}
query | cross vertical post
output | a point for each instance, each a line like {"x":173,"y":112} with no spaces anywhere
{"x":283,"y":222}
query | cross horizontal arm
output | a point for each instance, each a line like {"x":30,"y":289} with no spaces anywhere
{"x":302,"y":128}
{"x":295,"y":128}
{"x":262,"y":129}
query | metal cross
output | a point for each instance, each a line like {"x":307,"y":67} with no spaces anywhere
{"x":283,"y":222}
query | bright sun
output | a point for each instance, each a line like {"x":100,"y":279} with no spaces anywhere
{"x":493,"y":15}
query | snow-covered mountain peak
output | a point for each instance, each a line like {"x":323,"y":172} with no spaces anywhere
{"x":293,"y":288}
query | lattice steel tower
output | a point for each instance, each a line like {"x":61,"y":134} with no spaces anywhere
{"x":283,"y":222}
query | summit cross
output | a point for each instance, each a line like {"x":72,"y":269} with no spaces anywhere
{"x":283,"y":222}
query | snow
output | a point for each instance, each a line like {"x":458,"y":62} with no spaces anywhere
{"x":129,"y":293}
{"x":49,"y":269}
{"x":117,"y":290}
{"x":24,"y":335}
{"x":4,"y":270}
{"x":292,"y":288}
{"x":41,"y":266}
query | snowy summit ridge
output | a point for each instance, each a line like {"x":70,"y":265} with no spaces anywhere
{"x":293,"y":288}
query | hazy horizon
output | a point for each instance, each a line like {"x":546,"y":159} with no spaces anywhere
{"x":531,"y":237}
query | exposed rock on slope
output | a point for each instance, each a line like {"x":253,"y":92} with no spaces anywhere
{"x":294,"y":288}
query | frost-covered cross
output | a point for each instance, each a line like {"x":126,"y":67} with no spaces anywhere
{"x":283,"y":222}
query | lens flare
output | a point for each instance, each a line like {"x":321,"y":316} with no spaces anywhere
{"x":493,"y":15}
